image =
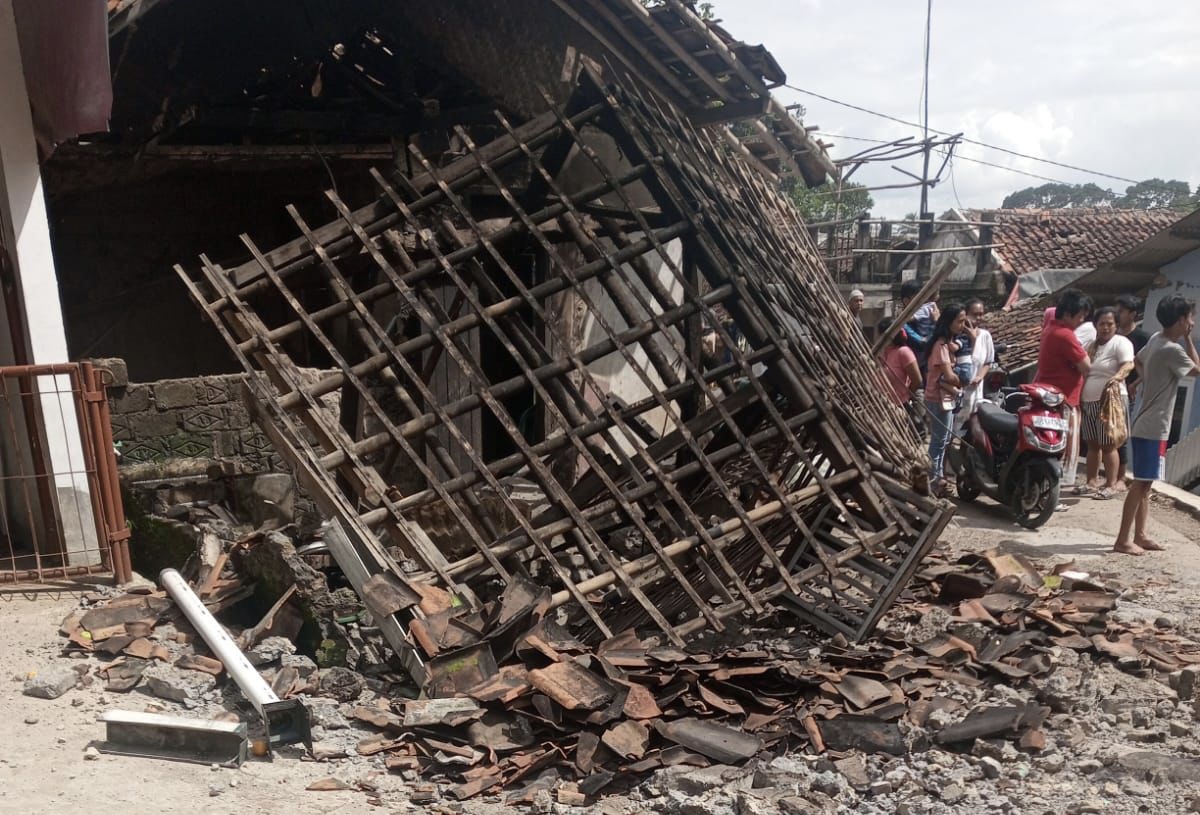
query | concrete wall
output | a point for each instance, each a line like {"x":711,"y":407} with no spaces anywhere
{"x":1180,"y":277}
{"x":25,"y":232}
{"x":188,"y":421}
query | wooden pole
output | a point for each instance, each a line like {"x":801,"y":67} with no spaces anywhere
{"x":944,"y":271}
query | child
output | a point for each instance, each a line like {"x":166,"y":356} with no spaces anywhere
{"x":964,"y":366}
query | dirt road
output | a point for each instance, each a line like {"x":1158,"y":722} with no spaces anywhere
{"x":43,"y":768}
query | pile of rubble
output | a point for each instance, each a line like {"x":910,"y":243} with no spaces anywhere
{"x":984,"y":658}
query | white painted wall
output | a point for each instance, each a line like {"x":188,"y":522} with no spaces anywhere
{"x":1180,"y":277}
{"x":26,"y":231}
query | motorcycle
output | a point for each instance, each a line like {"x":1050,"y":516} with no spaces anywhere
{"x":1012,"y":451}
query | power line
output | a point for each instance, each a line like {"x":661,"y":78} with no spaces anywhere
{"x":966,"y":140}
{"x":956,"y":156}
{"x":1012,"y":169}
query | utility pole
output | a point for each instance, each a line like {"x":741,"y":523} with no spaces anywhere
{"x":925,"y":235}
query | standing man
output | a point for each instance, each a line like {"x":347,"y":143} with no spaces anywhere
{"x":857,"y":298}
{"x":983,"y":357}
{"x":1129,"y":313}
{"x":1063,"y":363}
{"x":1168,"y":357}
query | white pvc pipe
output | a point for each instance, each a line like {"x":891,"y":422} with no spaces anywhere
{"x":246,"y":675}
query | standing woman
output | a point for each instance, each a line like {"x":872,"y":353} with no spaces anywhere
{"x":1112,"y":360}
{"x":983,"y":357}
{"x":939,"y":383}
{"x":903,"y":376}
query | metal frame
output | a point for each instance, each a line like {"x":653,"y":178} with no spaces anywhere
{"x":26,"y":390}
{"x":752,"y":483}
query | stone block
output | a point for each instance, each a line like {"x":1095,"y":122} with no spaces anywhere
{"x":225,"y":443}
{"x":233,"y":387}
{"x":151,"y":424}
{"x":186,"y":687}
{"x":211,"y":390}
{"x":122,"y":428}
{"x":142,"y":452}
{"x":236,"y":417}
{"x":303,"y":665}
{"x":129,"y":400}
{"x":270,"y":650}
{"x":1185,"y":687}
{"x":118,"y":371}
{"x":188,"y":445}
{"x":203,"y":419}
{"x":175,"y":393}
{"x":51,"y":683}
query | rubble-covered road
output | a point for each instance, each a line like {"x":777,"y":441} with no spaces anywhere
{"x":1115,"y":742}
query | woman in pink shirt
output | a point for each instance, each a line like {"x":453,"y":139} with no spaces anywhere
{"x":900,"y":366}
{"x":903,"y":376}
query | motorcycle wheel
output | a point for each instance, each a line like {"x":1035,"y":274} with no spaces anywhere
{"x":1032,"y":507}
{"x":968,"y":490}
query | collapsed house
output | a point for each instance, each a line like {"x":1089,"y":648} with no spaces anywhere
{"x":552,"y":355}
{"x":520,"y":394}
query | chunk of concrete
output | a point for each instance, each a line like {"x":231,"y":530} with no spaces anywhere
{"x":51,"y":682}
{"x":303,"y":665}
{"x":185,"y":687}
{"x":270,"y":650}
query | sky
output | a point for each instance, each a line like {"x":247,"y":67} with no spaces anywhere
{"x":1108,"y":86}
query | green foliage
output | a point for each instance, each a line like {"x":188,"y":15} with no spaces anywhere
{"x":1153,"y":193}
{"x":824,"y":204}
{"x":1058,"y":196}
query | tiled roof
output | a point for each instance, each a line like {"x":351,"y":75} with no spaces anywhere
{"x":1020,"y":328}
{"x":1035,"y":239}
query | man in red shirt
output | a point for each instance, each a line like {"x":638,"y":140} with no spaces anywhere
{"x":1063,"y":363}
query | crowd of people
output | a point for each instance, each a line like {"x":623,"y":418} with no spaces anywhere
{"x":936,"y":366}
{"x":1119,"y":386}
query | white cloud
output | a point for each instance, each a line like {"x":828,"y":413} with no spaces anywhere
{"x":1110,"y":87}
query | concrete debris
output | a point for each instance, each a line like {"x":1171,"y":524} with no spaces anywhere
{"x":270,"y":650}
{"x":190,"y":688}
{"x":51,"y":682}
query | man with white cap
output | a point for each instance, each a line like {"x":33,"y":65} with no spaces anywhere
{"x":856,"y":303}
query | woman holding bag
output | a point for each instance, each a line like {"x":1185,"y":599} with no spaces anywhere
{"x":1104,"y":404}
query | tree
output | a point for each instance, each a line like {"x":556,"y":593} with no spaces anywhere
{"x":1154,"y":193}
{"x":824,"y":204}
{"x":1059,"y":196}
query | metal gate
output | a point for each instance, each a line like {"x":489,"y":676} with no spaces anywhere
{"x":60,"y":504}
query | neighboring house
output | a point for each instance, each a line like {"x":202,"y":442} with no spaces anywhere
{"x":1166,"y":262}
{"x":1050,"y":247}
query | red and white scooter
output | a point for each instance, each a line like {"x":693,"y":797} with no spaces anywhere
{"x":1013,"y":452}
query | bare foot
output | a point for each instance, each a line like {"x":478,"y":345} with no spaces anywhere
{"x":1149,"y":545}
{"x":1127,"y":548}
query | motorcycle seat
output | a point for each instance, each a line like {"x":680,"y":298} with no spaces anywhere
{"x":996,"y":419}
